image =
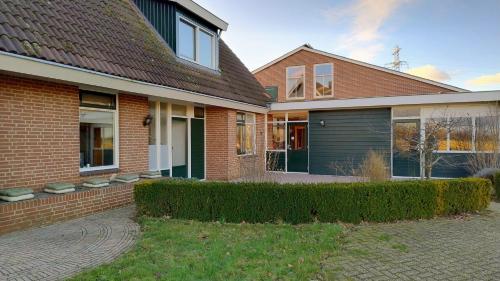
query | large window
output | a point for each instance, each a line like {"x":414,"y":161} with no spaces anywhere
{"x":196,"y":43}
{"x":487,"y":133}
{"x":97,"y":131}
{"x":245,"y":133}
{"x":452,"y":133}
{"x":295,"y":77}
{"x":323,"y":80}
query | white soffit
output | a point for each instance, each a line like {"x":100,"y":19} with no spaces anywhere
{"x":38,"y":68}
{"x":447,"y":98}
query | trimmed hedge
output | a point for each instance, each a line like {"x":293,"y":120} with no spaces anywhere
{"x":301,"y":203}
{"x":496,"y":183}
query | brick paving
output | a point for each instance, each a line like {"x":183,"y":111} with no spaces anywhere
{"x":60,"y":250}
{"x":460,"y":248}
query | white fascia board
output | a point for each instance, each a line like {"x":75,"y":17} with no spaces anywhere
{"x":406,"y":75}
{"x":86,"y":78}
{"x":489,"y":96}
{"x":203,"y":13}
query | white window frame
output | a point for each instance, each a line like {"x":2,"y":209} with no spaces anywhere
{"x":286,"y":83}
{"x":197,"y":29}
{"x":116,"y":132}
{"x":314,"y":81}
{"x":254,"y":129}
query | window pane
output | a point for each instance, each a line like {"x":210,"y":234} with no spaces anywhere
{"x":487,"y":133}
{"x":461,"y":134}
{"x":295,"y":82}
{"x":276,"y":117}
{"x":240,"y":138}
{"x":90,"y":99}
{"x":276,"y":136}
{"x":323,"y":69}
{"x":206,"y":49}
{"x":406,"y":137}
{"x":179,"y":110}
{"x":186,"y":40}
{"x":436,"y":133}
{"x":249,"y":138}
{"x":406,"y":112}
{"x":297,"y":116}
{"x":199,"y":112}
{"x":96,"y":138}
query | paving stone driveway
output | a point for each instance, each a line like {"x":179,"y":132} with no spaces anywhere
{"x":60,"y":250}
{"x":462,"y":248}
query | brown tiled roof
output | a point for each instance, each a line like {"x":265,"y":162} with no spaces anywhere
{"x":113,"y":37}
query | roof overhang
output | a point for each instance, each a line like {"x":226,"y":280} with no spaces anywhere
{"x":447,"y":98}
{"x":203,"y":13}
{"x":307,"y":48}
{"x":46,"y":70}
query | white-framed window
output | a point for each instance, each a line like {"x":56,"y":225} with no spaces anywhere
{"x":245,"y":133}
{"x":196,"y":43}
{"x":98,"y":131}
{"x":295,"y":82}
{"x":323,"y":80}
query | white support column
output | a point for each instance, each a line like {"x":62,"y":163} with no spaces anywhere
{"x":157,"y":123}
{"x":265,"y":142}
{"x":169,"y":138}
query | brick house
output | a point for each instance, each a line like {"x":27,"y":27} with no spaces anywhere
{"x":328,"y":111}
{"x":94,"y":88}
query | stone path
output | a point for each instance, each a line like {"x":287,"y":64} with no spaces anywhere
{"x":463,"y":248}
{"x":60,"y":250}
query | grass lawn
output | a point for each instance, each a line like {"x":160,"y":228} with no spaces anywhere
{"x":189,"y":250}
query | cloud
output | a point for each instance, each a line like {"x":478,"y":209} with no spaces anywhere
{"x":367,"y":18}
{"x":493,"y":79}
{"x":430,"y":72}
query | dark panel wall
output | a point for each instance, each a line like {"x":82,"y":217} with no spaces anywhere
{"x":162,"y":15}
{"x":346,"y":138}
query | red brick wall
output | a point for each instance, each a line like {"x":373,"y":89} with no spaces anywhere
{"x":133,"y":134}
{"x":39,"y":132}
{"x":222,"y":161}
{"x":44,"y":211}
{"x":350,"y":80}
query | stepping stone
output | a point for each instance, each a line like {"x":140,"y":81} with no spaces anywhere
{"x":59,"y":187}
{"x":96,"y":182}
{"x":151,"y":174}
{"x":16,"y":194}
{"x":127,"y":178}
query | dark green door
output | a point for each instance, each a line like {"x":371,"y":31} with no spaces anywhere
{"x":179,"y":147}
{"x":405,"y":154}
{"x":197,"y":148}
{"x":297,"y":150}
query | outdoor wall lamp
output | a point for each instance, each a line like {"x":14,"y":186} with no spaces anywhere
{"x":322,"y":123}
{"x":147,"y":120}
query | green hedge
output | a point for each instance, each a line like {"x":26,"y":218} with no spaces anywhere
{"x":496,"y":183}
{"x":301,"y":203}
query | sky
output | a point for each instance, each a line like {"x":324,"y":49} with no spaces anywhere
{"x":456,"y":42}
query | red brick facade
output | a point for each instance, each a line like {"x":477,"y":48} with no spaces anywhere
{"x":223,"y":163}
{"x":43,"y":211}
{"x":349,"y":80}
{"x":39,"y":133}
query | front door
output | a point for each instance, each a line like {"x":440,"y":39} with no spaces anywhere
{"x":297,"y":150}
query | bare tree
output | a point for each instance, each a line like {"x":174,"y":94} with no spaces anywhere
{"x":485,"y":158}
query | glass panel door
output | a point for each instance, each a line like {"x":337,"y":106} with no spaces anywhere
{"x":297,"y":149}
{"x":405,"y":154}
{"x":179,"y":147}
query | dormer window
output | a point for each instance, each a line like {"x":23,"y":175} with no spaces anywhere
{"x":196,"y":43}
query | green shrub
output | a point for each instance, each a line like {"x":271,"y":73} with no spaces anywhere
{"x":301,"y":203}
{"x":496,"y":184}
